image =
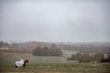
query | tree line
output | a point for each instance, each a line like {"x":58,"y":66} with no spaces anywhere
{"x":2,"y":44}
{"x":45,"y":51}
{"x":88,"y":47}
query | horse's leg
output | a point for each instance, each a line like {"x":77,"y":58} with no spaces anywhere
{"x":24,"y":65}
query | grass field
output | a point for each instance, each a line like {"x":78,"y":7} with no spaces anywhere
{"x":43,"y":64}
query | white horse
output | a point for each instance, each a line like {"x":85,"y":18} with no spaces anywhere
{"x":19,"y":63}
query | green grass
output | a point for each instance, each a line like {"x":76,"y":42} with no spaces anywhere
{"x":46,"y":64}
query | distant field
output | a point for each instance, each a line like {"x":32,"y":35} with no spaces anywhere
{"x":44,"y":64}
{"x":67,"y":53}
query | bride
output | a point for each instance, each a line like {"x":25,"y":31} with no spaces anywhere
{"x":19,"y":63}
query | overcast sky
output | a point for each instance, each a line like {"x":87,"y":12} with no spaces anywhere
{"x":55,"y":21}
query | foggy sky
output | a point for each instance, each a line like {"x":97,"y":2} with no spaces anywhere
{"x":55,"y":21}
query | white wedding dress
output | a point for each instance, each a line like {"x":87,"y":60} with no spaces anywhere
{"x":19,"y":63}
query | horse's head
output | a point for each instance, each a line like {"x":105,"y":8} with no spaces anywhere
{"x":26,"y":61}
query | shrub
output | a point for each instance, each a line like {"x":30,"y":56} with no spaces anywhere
{"x":81,"y":57}
{"x":45,"y":51}
{"x":75,"y":56}
{"x":86,"y":58}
